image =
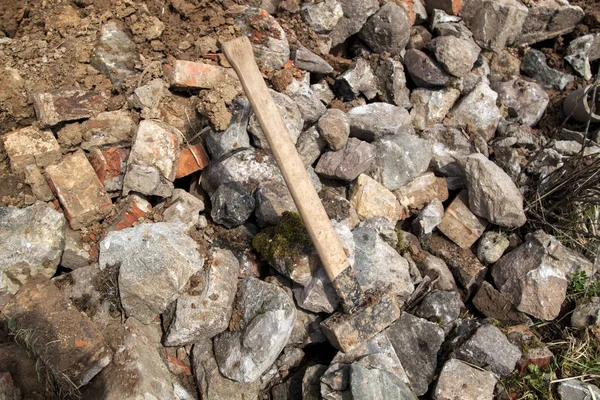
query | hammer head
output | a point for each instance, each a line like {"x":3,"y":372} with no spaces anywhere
{"x":344,"y":331}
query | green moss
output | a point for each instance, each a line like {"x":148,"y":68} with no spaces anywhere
{"x":287,"y":240}
{"x":402,"y":246}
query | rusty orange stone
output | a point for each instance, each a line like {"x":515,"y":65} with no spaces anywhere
{"x":188,"y":164}
{"x":196,"y":75}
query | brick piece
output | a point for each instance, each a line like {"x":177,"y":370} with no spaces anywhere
{"x":29,"y":146}
{"x":188,"y":164}
{"x":459,"y":224}
{"x":79,"y":190}
{"x":448,"y":6}
{"x":196,"y":75}
{"x":134,"y":208}
{"x":110,"y":166}
{"x":421,"y":191}
{"x":371,"y":199}
{"x":62,"y":105}
{"x":65,"y":339}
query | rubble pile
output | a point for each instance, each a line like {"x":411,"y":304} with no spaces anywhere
{"x":150,"y":248}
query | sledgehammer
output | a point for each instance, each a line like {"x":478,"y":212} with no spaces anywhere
{"x":362,"y":318}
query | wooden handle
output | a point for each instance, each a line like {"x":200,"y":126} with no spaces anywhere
{"x":240,"y":55}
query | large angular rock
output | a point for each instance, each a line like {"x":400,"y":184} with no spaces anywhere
{"x":32,"y":240}
{"x":448,"y":145}
{"x":61,"y":105}
{"x":115,"y":54}
{"x":477,"y":112}
{"x":30,"y":146}
{"x":371,"y":199}
{"x":387,"y":30}
{"x":392,"y":82}
{"x":269,"y":40}
{"x":494,"y":304}
{"x":318,"y":295}
{"x":355,"y":14}
{"x":235,"y":137}
{"x":373,"y":384}
{"x":372,"y":121}
{"x":431,"y":106}
{"x":400,"y":158}
{"x":265,"y":316}
{"x":547,"y":19}
{"x":424,"y":70}
{"x":232,"y":205}
{"x":574,"y":389}
{"x":419,"y":192}
{"x":334,"y":128}
{"x":152,"y":163}
{"x":491,"y":247}
{"x":80,"y":192}
{"x":357,"y":79}
{"x":377,"y":265}
{"x":348,"y":163}
{"x":492,"y":194}
{"x":108,"y":128}
{"x":311,"y":108}
{"x":533,"y":64}
{"x":527,"y":99}
{"x":456,"y":55}
{"x":183,"y":207}
{"x":155,"y":263}
{"x":310,"y":145}
{"x":204,"y":309}
{"x":417,"y":343}
{"x":74,"y":255}
{"x":309,"y":61}
{"x":273,"y":198}
{"x":459,"y":380}
{"x":578,"y":55}
{"x":459,"y":224}
{"x":440,"y":307}
{"x":489,"y":348}
{"x":323,"y":16}
{"x":290,"y":113}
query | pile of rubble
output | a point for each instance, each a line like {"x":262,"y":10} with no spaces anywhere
{"x":156,"y":251}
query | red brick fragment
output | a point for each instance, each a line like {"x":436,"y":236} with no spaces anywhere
{"x":188,"y":164}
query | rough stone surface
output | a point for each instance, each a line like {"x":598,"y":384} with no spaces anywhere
{"x":527,"y":99}
{"x":291,"y":114}
{"x":37,"y":182}
{"x":30,"y":146}
{"x":232,"y":205}
{"x":204,"y":309}
{"x":448,"y":145}
{"x":266,"y":318}
{"x":307,"y":329}
{"x":311,"y":108}
{"x":152,"y":163}
{"x":424,"y":70}
{"x":392,"y":82}
{"x":196,"y":75}
{"x":323,"y":16}
{"x":417,"y":343}
{"x":429,"y":218}
{"x":586,"y":314}
{"x":494,"y":304}
{"x":431,"y":106}
{"x":347,"y":164}
{"x":456,"y":55}
{"x":32,"y":240}
{"x":533,"y":64}
{"x":334,"y":128}
{"x":371,"y":199}
{"x":115,"y":54}
{"x":400,"y":158}
{"x":547,"y":20}
{"x":439,"y":307}
{"x":419,"y":192}
{"x":74,"y":255}
{"x":156,"y":261}
{"x":79,"y":190}
{"x":273,"y":198}
{"x":489,"y":348}
{"x":492,"y":194}
{"x":436,"y":269}
{"x":461,"y":381}
{"x":477,"y":112}
{"x":183,"y":207}
{"x":235,"y":137}
{"x":375,"y":384}
{"x":272,"y":49}
{"x":310,"y":145}
{"x":61,"y":105}
{"x":357,"y":79}
{"x":372,"y":121}
{"x":387,"y":30}
{"x":578,"y":55}
{"x":491,"y":247}
{"x":318,"y":295}
{"x":574,"y":389}
{"x":309,"y":61}
{"x":459,"y":224}
{"x":355,"y":14}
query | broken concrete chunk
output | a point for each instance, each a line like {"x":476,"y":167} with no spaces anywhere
{"x":204,"y":309}
{"x":115,"y":55}
{"x":79,"y":190}
{"x":347,"y":164}
{"x":110,"y":166}
{"x":63,"y":339}
{"x":527,"y":99}
{"x":355,"y":14}
{"x":32,"y":240}
{"x":459,"y":224}
{"x":424,"y":70}
{"x":152,"y":164}
{"x":533,"y":64}
{"x":371,"y":199}
{"x":155,"y":263}
{"x":62,"y":105}
{"x":309,"y":61}
{"x":459,"y":380}
{"x":290,"y":113}
{"x":30,"y":146}
{"x":108,"y":128}
{"x":183,"y":207}
{"x":431,"y":106}
{"x":266,"y":316}
{"x":372,"y":121}
{"x":148,"y":98}
{"x":196,"y":75}
{"x":232,"y":205}
{"x":456,"y":55}
{"x":387,"y":30}
{"x":357,"y":79}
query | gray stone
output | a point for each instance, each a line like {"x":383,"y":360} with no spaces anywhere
{"x":74,"y":255}
{"x":32,"y":240}
{"x":548,"y":19}
{"x":492,"y":194}
{"x":311,"y":382}
{"x":310,"y":145}
{"x":489,"y":348}
{"x":183,"y":207}
{"x":235,"y":137}
{"x":477,"y":112}
{"x":491,"y":247}
{"x":311,"y":108}
{"x":429,"y":218}
{"x":457,"y":30}
{"x":334,"y":128}
{"x":459,"y":380}
{"x":424,"y":70}
{"x":417,"y":343}
{"x":578,"y":55}
{"x":266,"y":318}
{"x":309,"y":61}
{"x":289,"y":359}
{"x":155,"y":263}
{"x":392,"y":82}
{"x":372,"y":121}
{"x":440,"y":307}
{"x":232,"y":205}
{"x":347,"y":164}
{"x":448,"y":144}
{"x":152,"y":163}
{"x":384,"y":227}
{"x":574,"y":389}
{"x":108,"y":128}
{"x":586,"y":314}
{"x":431,"y":106}
{"x":273,"y":198}
{"x":419,"y":37}
{"x":272,"y":50}
{"x":400,"y":158}
{"x":214,"y":386}
{"x":147,"y":98}
{"x":290,"y":113}
{"x":456,"y":55}
{"x":115,"y":54}
{"x":378,"y":265}
{"x":374,"y":384}
{"x":204,"y":309}
{"x":39,"y":186}
{"x":323,"y":92}
{"x":533,"y":64}
{"x":357,"y":79}
{"x":323,"y":16}
{"x":527,"y":99}
{"x":355,"y":14}
{"x":388,"y":30}
{"x":436,"y":269}
{"x":245,"y":167}
{"x":318,"y":295}
{"x":307,"y":329}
